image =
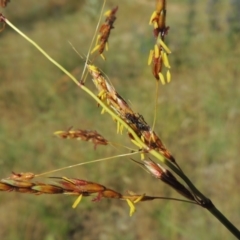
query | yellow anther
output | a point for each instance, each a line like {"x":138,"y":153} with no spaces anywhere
{"x":58,"y":132}
{"x":161,"y":78}
{"x":156,"y":51}
{"x":102,"y":94}
{"x":168,"y":76}
{"x":155,"y":25}
{"x":154,"y":15}
{"x":93,"y":68}
{"x":165,"y":60}
{"x":95,"y":49}
{"x":97,"y":39}
{"x":77,"y":201}
{"x":150,"y":57}
{"x":132,"y":207}
{"x":103,"y":57}
{"x":107,"y":13}
{"x":139,"y":198}
{"x":164,"y":46}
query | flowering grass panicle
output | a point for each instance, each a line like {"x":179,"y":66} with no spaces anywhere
{"x":144,"y":136}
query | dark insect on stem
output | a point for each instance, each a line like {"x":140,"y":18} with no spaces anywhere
{"x":138,"y":121}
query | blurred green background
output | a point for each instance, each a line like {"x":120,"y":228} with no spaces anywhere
{"x":198,"y":117}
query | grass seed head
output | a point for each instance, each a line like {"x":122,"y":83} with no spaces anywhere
{"x":158,"y":19}
{"x":48,"y":189}
{"x":22,"y":176}
{"x":84,"y":135}
{"x":104,"y":32}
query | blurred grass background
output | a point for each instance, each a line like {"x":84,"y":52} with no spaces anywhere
{"x":198,"y":117}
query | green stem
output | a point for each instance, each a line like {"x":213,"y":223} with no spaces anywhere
{"x":216,"y":213}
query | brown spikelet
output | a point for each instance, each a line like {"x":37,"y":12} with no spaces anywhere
{"x":80,"y":186}
{"x":158,"y":19}
{"x":104,"y":31}
{"x":167,"y":177}
{"x":158,"y":57}
{"x":136,"y":121}
{"x":6,"y":187}
{"x":18,"y":183}
{"x":84,"y":135}
{"x":21,"y":186}
{"x":64,"y":185}
{"x":108,"y":93}
{"x":48,"y":189}
{"x":155,"y":59}
{"x":109,"y":193}
{"x":73,"y":186}
{"x":22,"y":176}
{"x":154,"y":142}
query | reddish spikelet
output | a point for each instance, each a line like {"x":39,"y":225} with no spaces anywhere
{"x":17,"y":186}
{"x":155,"y":59}
{"x":26,"y":190}
{"x":74,"y":186}
{"x":18,"y":183}
{"x":48,"y":189}
{"x":6,"y":187}
{"x":105,"y":30}
{"x":81,"y":186}
{"x":154,"y":142}
{"x":108,"y":93}
{"x":158,"y":19}
{"x":167,"y":177}
{"x":22,"y":176}
{"x":134,"y":120}
{"x":159,"y":55}
{"x":86,"y":187}
{"x":109,"y":193}
{"x":155,"y":169}
{"x":85,"y":135}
